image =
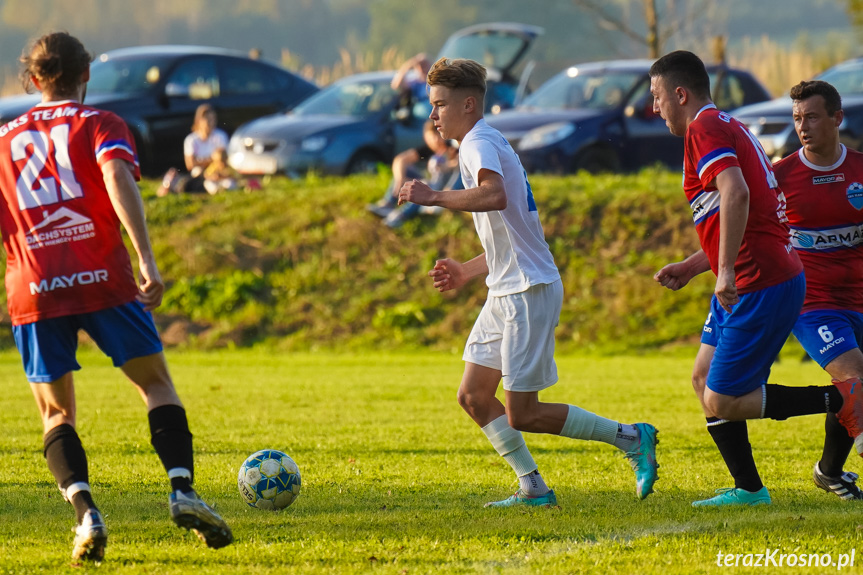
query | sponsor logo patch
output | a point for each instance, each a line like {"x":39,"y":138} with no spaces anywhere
{"x":828,"y":179}
{"x":60,"y":227}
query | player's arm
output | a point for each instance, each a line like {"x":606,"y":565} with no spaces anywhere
{"x":124,"y":195}
{"x":449,"y":274}
{"x":733,"y":215}
{"x":488,"y":196}
{"x":675,"y":276}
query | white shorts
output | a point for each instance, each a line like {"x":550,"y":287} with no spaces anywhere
{"x":515,"y":334}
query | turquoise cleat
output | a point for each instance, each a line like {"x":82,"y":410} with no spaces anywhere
{"x":735,"y":497}
{"x":643,"y":460}
{"x":520,"y":499}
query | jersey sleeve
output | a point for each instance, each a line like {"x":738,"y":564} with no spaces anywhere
{"x":481,"y":156}
{"x":113,"y":140}
{"x":713,"y":149}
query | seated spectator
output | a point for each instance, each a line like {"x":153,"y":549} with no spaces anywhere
{"x":198,"y":148}
{"x":441,"y":173}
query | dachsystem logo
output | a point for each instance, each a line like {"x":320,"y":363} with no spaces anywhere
{"x":60,"y":227}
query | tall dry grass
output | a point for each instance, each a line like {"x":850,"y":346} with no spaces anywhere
{"x":779,"y":67}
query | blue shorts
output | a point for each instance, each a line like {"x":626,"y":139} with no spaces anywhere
{"x":48,"y":346}
{"x":826,"y":334}
{"x":748,"y":339}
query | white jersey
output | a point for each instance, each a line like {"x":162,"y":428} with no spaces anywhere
{"x":515,"y":247}
{"x":201,"y":149}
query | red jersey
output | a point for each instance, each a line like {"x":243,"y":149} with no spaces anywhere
{"x":824,"y":212}
{"x":65,"y":253}
{"x":714,"y":142}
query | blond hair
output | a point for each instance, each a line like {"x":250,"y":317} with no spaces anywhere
{"x":458,"y":74}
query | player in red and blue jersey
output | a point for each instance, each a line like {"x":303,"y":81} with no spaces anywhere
{"x":67,"y":185}
{"x":823,"y":185}
{"x":739,"y":215}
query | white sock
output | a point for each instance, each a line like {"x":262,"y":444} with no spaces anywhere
{"x":581,"y":424}
{"x":509,"y":444}
{"x":533,"y":485}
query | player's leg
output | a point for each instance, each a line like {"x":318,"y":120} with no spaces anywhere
{"x":730,"y":437}
{"x":832,"y":338}
{"x":476,"y":395}
{"x":128,"y":336}
{"x":527,"y":351}
{"x":48,"y":352}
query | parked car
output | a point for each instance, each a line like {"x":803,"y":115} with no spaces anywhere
{"x":156,"y":90}
{"x":500,"y":47}
{"x":599,"y":117}
{"x":349,"y":127}
{"x":772,"y":124}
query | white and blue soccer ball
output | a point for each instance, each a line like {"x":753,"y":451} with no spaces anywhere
{"x":269,"y":479}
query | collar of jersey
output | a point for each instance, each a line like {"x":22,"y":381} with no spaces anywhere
{"x":812,"y":166}
{"x":56,"y":103}
{"x":707,"y":107}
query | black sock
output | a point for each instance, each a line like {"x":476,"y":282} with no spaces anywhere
{"x":837,"y":445}
{"x":68,"y":464}
{"x":783,"y":402}
{"x":732,"y":439}
{"x":172,"y":440}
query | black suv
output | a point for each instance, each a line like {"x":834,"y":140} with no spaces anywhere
{"x":156,"y":90}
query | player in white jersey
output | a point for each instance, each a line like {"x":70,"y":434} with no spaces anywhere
{"x":513,"y":338}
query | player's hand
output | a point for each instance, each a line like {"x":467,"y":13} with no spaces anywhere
{"x":417,"y":192}
{"x":152,"y":288}
{"x":447,"y":275}
{"x":674,"y":276}
{"x":726,"y":290}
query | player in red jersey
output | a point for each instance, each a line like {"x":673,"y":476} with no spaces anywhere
{"x":738,"y":210}
{"x":823,"y":184}
{"x":67,"y":184}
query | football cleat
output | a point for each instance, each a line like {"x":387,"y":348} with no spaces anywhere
{"x":851,"y":414}
{"x":521,"y":499}
{"x":735,"y":497}
{"x":91,"y":538}
{"x":844,"y":486}
{"x":190,"y":512}
{"x":643,"y":460}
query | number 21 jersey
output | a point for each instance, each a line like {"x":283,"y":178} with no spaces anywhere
{"x":65,"y":252}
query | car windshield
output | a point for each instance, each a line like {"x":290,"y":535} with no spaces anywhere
{"x":492,"y":49}
{"x":847,"y":79}
{"x":356,"y":98}
{"x":575,"y":89}
{"x":125,"y":75}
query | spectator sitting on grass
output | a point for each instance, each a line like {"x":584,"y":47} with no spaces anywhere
{"x":198,"y":148}
{"x":443,"y":174}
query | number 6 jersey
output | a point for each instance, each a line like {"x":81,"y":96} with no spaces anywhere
{"x":65,"y":253}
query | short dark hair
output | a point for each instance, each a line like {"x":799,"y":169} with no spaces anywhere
{"x":808,"y":88}
{"x":57,"y":60}
{"x":683,"y":69}
{"x":458,"y":74}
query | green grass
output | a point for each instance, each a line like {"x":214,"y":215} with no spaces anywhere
{"x":395,"y":475}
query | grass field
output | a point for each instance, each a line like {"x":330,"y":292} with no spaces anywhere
{"x":395,"y":474}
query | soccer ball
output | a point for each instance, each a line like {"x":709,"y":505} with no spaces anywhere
{"x":269,"y":479}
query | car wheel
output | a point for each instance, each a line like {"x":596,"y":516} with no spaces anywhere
{"x":596,"y":160}
{"x":363,"y":163}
